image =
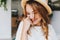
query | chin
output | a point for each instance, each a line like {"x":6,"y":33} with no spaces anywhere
{"x":35,"y":22}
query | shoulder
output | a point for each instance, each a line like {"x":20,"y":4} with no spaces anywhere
{"x":21,"y":23}
{"x":52,"y":33}
{"x":19,"y":30}
{"x":51,"y":30}
{"x":50,"y":26}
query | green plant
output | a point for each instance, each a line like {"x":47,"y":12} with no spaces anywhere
{"x":3,"y":2}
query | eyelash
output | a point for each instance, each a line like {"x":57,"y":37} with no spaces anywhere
{"x":28,"y":14}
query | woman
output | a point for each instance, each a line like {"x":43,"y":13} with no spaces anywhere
{"x":36,"y":22}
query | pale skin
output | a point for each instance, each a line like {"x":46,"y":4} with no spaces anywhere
{"x":32,"y":18}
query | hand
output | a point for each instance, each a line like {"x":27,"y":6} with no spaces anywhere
{"x":27,"y":24}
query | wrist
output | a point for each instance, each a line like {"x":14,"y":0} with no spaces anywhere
{"x":24,"y":30}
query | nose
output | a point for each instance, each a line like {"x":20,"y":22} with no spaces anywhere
{"x":32,"y":16}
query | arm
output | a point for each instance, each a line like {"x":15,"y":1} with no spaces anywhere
{"x":52,"y":33}
{"x":22,"y":30}
{"x":26,"y":25}
{"x":24,"y":35}
{"x":19,"y":31}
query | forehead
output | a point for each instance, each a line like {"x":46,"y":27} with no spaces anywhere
{"x":29,"y":8}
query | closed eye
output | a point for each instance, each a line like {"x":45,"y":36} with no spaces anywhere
{"x":28,"y":13}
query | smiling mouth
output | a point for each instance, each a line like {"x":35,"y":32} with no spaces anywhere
{"x":33,"y":20}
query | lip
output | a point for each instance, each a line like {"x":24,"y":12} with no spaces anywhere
{"x":35,"y":20}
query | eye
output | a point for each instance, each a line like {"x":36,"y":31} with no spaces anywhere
{"x":35,"y":12}
{"x":28,"y":13}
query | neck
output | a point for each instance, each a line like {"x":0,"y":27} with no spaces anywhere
{"x":38,"y":24}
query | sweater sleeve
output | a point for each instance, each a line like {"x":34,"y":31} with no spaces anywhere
{"x":52,"y":33}
{"x":19,"y":31}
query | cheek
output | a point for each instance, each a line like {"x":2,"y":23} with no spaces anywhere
{"x":32,"y":16}
{"x":37,"y":17}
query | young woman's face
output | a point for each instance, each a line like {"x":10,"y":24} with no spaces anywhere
{"x":33,"y":15}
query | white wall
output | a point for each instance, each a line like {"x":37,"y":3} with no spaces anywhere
{"x":5,"y":21}
{"x":56,"y":22}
